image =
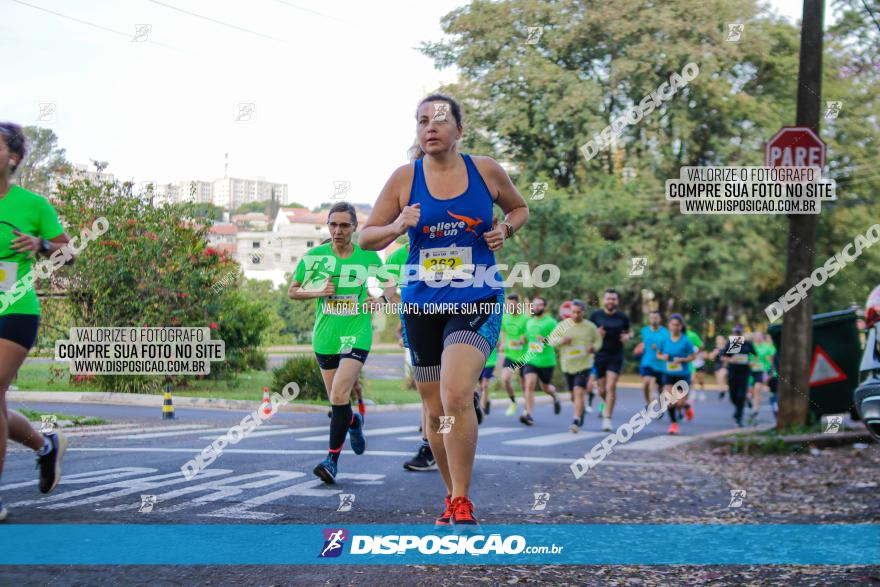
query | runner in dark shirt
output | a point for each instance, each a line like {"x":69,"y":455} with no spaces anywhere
{"x":615,"y":329}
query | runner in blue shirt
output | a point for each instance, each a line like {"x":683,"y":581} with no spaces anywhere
{"x":446,"y":201}
{"x":676,"y":351}
{"x":651,"y":368}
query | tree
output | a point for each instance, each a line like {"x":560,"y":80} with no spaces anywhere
{"x":45,"y":161}
{"x":153,"y":267}
{"x":535,"y":105}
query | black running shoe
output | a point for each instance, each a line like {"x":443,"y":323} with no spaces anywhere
{"x":527,"y":420}
{"x":423,"y":461}
{"x":488,"y":407}
{"x":477,"y":408}
{"x":557,"y":405}
{"x":50,"y":463}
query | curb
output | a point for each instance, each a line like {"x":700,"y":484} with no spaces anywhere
{"x":155,"y":401}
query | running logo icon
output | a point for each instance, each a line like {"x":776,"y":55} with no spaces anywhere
{"x":832,"y":424}
{"x":737,"y":496}
{"x":45,"y":111}
{"x":539,"y":190}
{"x":446,"y":423}
{"x":147,"y":504}
{"x":142,"y":32}
{"x":440,"y":111}
{"x":832,"y":109}
{"x":535,"y":33}
{"x":346,"y":500}
{"x":346,"y":344}
{"x":541,"y":500}
{"x":736,"y":343}
{"x":639,"y":264}
{"x":340,"y":190}
{"x":734,"y":32}
{"x":334,"y":541}
{"x":245,"y":112}
{"x":48,"y":424}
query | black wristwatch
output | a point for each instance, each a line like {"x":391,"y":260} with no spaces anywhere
{"x":44,"y":245}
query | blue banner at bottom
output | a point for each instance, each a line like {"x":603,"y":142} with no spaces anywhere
{"x":569,"y":544}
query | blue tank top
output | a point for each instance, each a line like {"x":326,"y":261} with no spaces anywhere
{"x":450,"y":233}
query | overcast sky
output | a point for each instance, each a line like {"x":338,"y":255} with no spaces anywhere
{"x":333,"y":85}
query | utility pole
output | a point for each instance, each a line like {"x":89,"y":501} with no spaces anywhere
{"x":797,"y":328}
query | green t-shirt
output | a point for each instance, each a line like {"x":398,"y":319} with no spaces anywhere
{"x":698,"y":344}
{"x":395,"y":261}
{"x":575,"y":356}
{"x":33,"y":215}
{"x":514,"y":327}
{"x":340,"y":323}
{"x":764,"y":357}
{"x":540,"y":354}
{"x":493,"y":358}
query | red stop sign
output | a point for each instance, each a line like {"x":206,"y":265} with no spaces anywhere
{"x":795,"y":146}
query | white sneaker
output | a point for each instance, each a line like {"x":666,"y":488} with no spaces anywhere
{"x":589,"y":409}
{"x":573,"y":428}
{"x":511,"y":410}
{"x":606,"y":424}
{"x":3,"y":511}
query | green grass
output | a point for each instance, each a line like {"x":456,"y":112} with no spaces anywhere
{"x":35,"y":416}
{"x":247,"y":386}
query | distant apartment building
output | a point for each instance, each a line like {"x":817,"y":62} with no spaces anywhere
{"x":252,"y":221}
{"x":89,"y":172}
{"x":231,"y":192}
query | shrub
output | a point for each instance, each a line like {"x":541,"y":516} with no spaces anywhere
{"x":305,"y":372}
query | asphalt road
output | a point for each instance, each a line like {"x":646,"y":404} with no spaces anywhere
{"x":267,"y":478}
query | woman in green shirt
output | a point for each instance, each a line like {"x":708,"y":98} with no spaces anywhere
{"x":28,"y":227}
{"x":335,"y":276}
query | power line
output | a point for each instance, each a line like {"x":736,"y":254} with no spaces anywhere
{"x":874,"y":18}
{"x":220,"y":22}
{"x":97,"y":26}
{"x":312,"y":11}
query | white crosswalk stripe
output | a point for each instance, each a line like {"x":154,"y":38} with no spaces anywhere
{"x":132,"y":429}
{"x":180,"y":432}
{"x":489,"y":431}
{"x":262,"y":432}
{"x":654,"y":443}
{"x":553,"y":439}
{"x":370,"y":432}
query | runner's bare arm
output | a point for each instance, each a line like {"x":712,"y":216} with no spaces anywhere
{"x":503,"y":192}
{"x":296,"y":291}
{"x":391,"y":216}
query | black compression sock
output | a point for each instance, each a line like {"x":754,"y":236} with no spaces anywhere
{"x":339,"y":422}
{"x":672,"y":416}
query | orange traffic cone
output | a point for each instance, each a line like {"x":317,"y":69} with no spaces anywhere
{"x":266,"y":407}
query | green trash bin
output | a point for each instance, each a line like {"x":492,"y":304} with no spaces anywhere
{"x":834,"y":362}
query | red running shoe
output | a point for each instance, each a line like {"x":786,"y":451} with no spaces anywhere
{"x":689,"y":412}
{"x":463,"y":512}
{"x":443,"y":520}
{"x":673,"y":428}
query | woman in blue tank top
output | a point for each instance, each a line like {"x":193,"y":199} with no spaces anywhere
{"x":452,"y":295}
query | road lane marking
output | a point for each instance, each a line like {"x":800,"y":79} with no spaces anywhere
{"x":90,"y":476}
{"x":286,"y":430}
{"x":654,"y":443}
{"x":137,"y":429}
{"x":369,"y":432}
{"x":312,"y":488}
{"x":202,"y":430}
{"x":376,"y":453}
{"x":218,"y":489}
{"x":553,"y":439}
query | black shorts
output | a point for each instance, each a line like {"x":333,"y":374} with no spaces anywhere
{"x":20,"y":329}
{"x":330,"y":362}
{"x":427,"y":335}
{"x":759,"y":376}
{"x":578,"y":379}
{"x":545,"y":374}
{"x":605,"y":363}
{"x":488,"y":372}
